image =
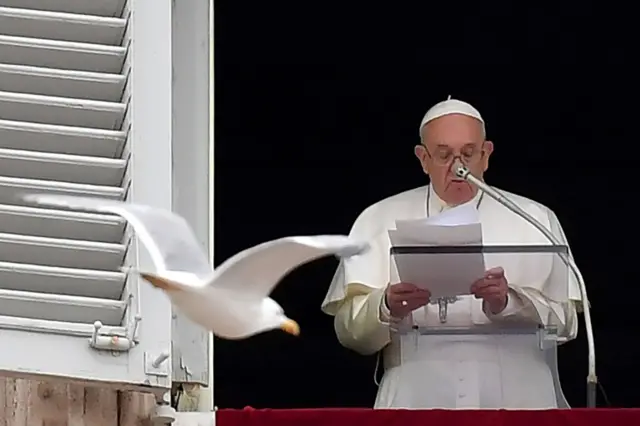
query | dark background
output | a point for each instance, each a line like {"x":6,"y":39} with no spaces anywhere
{"x":317,"y":112}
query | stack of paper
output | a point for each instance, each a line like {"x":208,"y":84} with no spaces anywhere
{"x":443,"y":274}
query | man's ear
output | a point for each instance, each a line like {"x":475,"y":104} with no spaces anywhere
{"x":488,"y":147}
{"x":488,"y":150}
{"x":421,"y":153}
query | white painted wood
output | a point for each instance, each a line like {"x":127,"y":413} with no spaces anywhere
{"x":191,"y":169}
{"x":150,"y":119}
{"x":208,"y":402}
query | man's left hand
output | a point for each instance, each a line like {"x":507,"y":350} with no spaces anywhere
{"x":493,"y":289}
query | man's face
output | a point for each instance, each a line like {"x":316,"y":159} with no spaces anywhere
{"x":450,"y":137}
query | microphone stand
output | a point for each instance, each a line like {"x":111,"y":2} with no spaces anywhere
{"x":592,"y":379}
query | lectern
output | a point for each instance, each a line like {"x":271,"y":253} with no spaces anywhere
{"x":451,"y":354}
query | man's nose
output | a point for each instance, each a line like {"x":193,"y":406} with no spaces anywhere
{"x":455,"y":160}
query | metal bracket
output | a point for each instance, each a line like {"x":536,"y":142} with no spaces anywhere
{"x":157,"y":364}
{"x":547,"y":336}
{"x":185,"y":367}
{"x":542,"y":335}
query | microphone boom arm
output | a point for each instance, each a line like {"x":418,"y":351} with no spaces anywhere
{"x":592,"y":379}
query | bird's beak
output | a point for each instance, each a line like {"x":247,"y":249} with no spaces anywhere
{"x":291,"y":327}
{"x":160,"y":282}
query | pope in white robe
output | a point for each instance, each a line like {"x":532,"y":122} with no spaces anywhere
{"x":448,"y":371}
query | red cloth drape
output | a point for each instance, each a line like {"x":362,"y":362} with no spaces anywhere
{"x":357,"y":417}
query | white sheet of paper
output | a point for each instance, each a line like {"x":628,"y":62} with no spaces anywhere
{"x":443,"y":274}
{"x":465,"y":214}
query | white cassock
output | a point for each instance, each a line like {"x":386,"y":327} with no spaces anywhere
{"x":452,"y":372}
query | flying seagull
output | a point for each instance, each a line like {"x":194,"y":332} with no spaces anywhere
{"x":233,"y":300}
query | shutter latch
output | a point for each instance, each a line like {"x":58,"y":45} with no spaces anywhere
{"x":113,"y":342}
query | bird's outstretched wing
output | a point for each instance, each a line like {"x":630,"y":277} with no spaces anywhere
{"x":256,"y":271}
{"x":167,"y":236}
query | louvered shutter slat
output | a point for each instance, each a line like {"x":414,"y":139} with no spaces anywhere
{"x":64,"y":281}
{"x":61,"y":224}
{"x":61,"y":116}
{"x":60,"y":307}
{"x":61,"y":54}
{"x":61,"y":26}
{"x":59,"y":110}
{"x":12,"y":188}
{"x":83,"y":7}
{"x":61,"y":252}
{"x":55,"y":82}
{"x":61,"y":139}
{"x":62,"y":167}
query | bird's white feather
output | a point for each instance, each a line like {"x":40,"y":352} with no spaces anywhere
{"x":167,"y":237}
{"x":259,"y":269}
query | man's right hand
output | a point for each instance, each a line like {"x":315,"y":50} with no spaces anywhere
{"x":404,"y":298}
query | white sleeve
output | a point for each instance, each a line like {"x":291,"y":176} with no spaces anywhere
{"x":364,"y":273}
{"x":356,"y":294}
{"x":359,"y":324}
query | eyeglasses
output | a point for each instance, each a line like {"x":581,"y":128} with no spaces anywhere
{"x":468,"y":155}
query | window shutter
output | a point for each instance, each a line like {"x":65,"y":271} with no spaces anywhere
{"x":85,"y":109}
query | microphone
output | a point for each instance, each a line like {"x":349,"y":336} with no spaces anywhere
{"x":463,"y":172}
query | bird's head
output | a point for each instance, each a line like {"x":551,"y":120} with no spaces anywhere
{"x":274,"y":315}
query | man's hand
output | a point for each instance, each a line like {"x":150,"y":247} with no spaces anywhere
{"x":493,"y":289}
{"x":403,"y":298}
